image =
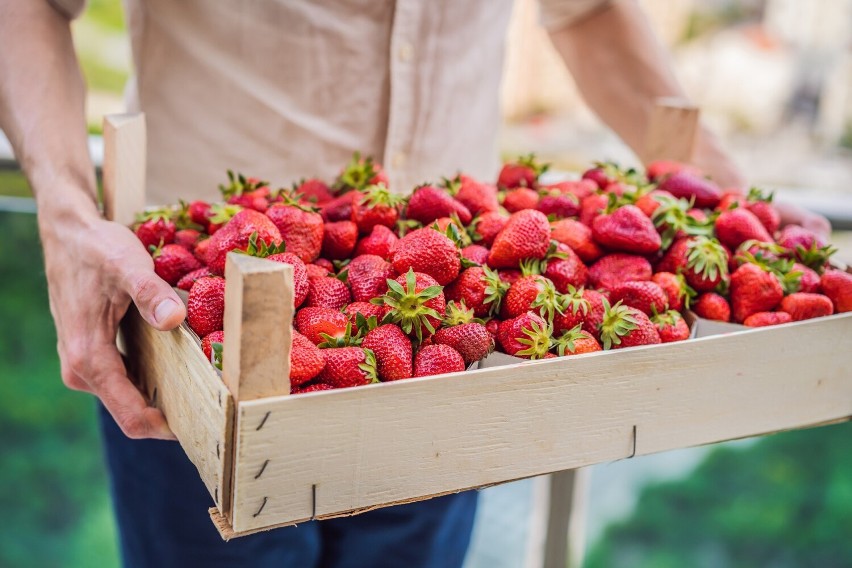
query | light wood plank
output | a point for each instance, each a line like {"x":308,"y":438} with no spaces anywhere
{"x":124,"y":167}
{"x":258,"y":323}
{"x":671,"y":131}
{"x":371,"y":446}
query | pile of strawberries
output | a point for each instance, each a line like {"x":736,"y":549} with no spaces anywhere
{"x":390,"y":287}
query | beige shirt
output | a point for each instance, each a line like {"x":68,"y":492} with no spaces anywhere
{"x":284,"y":89}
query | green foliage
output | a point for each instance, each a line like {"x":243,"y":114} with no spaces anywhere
{"x":785,"y":501}
{"x":13,"y":183}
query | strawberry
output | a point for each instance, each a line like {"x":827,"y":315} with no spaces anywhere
{"x":430,"y":252}
{"x":573,"y":309}
{"x":327,"y":292}
{"x":735,"y":226}
{"x":393,"y":352}
{"x":367,"y":275}
{"x":658,"y":169}
{"x":763,"y":319}
{"x":599,"y":176}
{"x":211,"y":351}
{"x":523,"y":293}
{"x":220,"y":214}
{"x":525,"y":236}
{"x":248,"y":192}
{"x":480,"y":289}
{"x":300,"y":275}
{"x":173,"y":262}
{"x":647,"y":297}
{"x":366,"y":309}
{"x":156,"y":228}
{"x":339,"y":240}
{"x":306,"y":360}
{"x":380,"y":242}
{"x":559,"y":205}
{"x":235,"y":235}
{"x":484,"y":229}
{"x":597,"y":307}
{"x":690,"y":185}
{"x":316,"y":271}
{"x":520,"y":199}
{"x":205,"y":308}
{"x":678,"y":292}
{"x":805,"y":247}
{"x":416,"y":302}
{"x":526,"y":336}
{"x":523,"y":172}
{"x":378,"y":206}
{"x":626,"y":229}
{"x":302,"y":229}
{"x":187,"y":238}
{"x":623,"y":326}
{"x":476,"y":254}
{"x":478,"y":197}
{"x":808,"y":279}
{"x":186,"y":282}
{"x":471,"y":340}
{"x":591,"y":207}
{"x":429,"y":203}
{"x":313,"y":191}
{"x":509,"y":275}
{"x":348,"y":367}
{"x":703,"y":261}
{"x":575,"y":341}
{"x":577,"y":236}
{"x":311,"y":387}
{"x":437,"y":360}
{"x":565,"y":269}
{"x":339,"y":208}
{"x":760,"y":204}
{"x":753,"y":290}
{"x":618,"y":267}
{"x":200,"y":250}
{"x":314,"y":322}
{"x":712,"y":306}
{"x":651,"y":201}
{"x":199,"y":213}
{"x":837,"y":285}
{"x":359,"y":173}
{"x":671,"y":326}
{"x":578,"y":188}
{"x":802,"y":306}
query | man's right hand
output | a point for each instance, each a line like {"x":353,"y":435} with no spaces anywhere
{"x":95,"y":268}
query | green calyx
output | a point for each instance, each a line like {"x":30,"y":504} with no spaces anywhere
{"x":533,"y":163}
{"x":293,"y":198}
{"x":408,"y":306}
{"x":182,"y":218}
{"x":706,"y":256}
{"x":365,"y":324}
{"x":223,"y":212}
{"x":617,"y":322}
{"x":451,"y":185}
{"x":666,"y":318}
{"x":565,"y":342}
{"x":238,"y":184}
{"x":216,"y":354}
{"x":260,"y":249}
{"x":548,"y":301}
{"x":574,"y":302}
{"x":816,"y":258}
{"x":369,"y":366}
{"x":356,"y":175}
{"x":457,"y":314}
{"x":162,"y":214}
{"x":756,"y":194}
{"x":453,"y":232}
{"x":537,"y":339}
{"x":348,"y":339}
{"x":495,"y":290}
{"x":673,"y":217}
{"x":763,"y":255}
{"x":376,"y":195}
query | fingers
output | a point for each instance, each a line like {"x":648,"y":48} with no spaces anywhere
{"x":157,"y":301}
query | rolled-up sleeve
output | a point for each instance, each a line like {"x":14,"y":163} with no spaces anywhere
{"x":558,"y":14}
{"x":68,"y":8}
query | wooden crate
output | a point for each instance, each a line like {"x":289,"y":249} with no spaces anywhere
{"x":270,"y":459}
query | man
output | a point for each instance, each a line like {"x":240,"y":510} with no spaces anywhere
{"x":281,"y":90}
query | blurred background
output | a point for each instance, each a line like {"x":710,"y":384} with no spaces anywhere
{"x":773,"y":77}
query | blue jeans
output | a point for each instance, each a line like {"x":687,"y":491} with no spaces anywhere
{"x":161,"y":507}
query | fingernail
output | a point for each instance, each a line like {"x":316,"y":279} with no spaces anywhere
{"x":164,"y":309}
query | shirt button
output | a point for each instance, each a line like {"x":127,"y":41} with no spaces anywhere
{"x":399,"y":159}
{"x":406,"y":51}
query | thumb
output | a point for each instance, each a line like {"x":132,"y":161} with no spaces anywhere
{"x":157,"y":301}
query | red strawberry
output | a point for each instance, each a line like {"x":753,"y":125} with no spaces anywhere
{"x":647,"y":297}
{"x":429,"y":203}
{"x":314,"y":322}
{"x":366,"y":309}
{"x":348,"y":367}
{"x":597,"y":308}
{"x":761,"y":205}
{"x":339,"y":240}
{"x":525,"y":236}
{"x":478,"y":197}
{"x":339,"y":208}
{"x":359,"y":173}
{"x":623,"y":326}
{"x":205,"y":308}
{"x":573,"y":310}
{"x":793,"y":236}
{"x":312,"y":387}
{"x":200,"y":250}
{"x":207,"y":346}
{"x":559,"y":205}
{"x":592,"y":206}
{"x":510,"y":275}
{"x":393,"y":352}
{"x":599,"y":176}
{"x":712,"y":306}
{"x":475,"y":253}
{"x":837,"y":285}
{"x":189,"y":279}
{"x":671,"y":326}
{"x":380,"y":242}
{"x":754,"y":290}
{"x":187,"y":238}
{"x":325,"y":263}
{"x":430,"y":252}
{"x":674,"y":285}
{"x":763,"y":319}
{"x":689,"y":185}
{"x":486,"y":227}
{"x":575,"y":341}
{"x":808,"y":279}
{"x":578,"y":188}
{"x":314,"y":191}
{"x":526,"y":336}
{"x":701,"y":260}
{"x":378,"y":206}
{"x":199,"y":213}
{"x":306,"y":360}
{"x":523,"y":172}
{"x":523,"y":293}
{"x":220,"y":214}
{"x":173,"y":262}
{"x":480,"y":289}
{"x":437,"y":360}
{"x":736,"y":226}
{"x":566,"y":272}
{"x":316,"y":271}
{"x":416,"y":303}
{"x":577,"y":236}
{"x":327,"y":292}
{"x":156,"y":228}
{"x":626,"y":229}
{"x":651,"y":201}
{"x":248,"y":192}
{"x":802,"y":306}
{"x":659,"y":169}
{"x":367,"y":276}
{"x":300,"y":275}
{"x":520,"y":199}
{"x":301,"y":229}
{"x":471,"y":340}
{"x":236,"y":234}
{"x":615,"y":268}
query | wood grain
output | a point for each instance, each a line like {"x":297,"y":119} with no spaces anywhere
{"x":671,"y":133}
{"x":388,"y":443}
{"x":124,"y":167}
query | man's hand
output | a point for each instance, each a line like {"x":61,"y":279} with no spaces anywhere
{"x":95,"y":268}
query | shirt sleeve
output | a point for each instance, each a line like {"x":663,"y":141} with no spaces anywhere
{"x":558,"y":14}
{"x":68,"y":8}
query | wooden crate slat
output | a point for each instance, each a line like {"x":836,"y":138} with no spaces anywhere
{"x":379,"y":444}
